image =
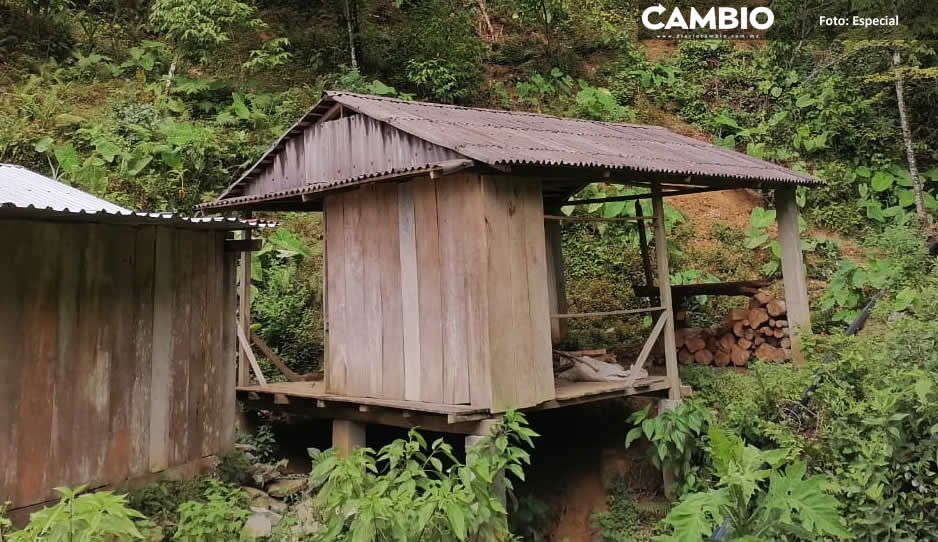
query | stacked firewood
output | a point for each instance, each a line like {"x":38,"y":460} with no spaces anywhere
{"x":760,"y":330}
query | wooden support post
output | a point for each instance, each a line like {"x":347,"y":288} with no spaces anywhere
{"x":556,"y":285}
{"x":643,"y":245}
{"x":347,"y":435}
{"x":664,"y":288}
{"x":793,"y":273}
{"x":244,"y":309}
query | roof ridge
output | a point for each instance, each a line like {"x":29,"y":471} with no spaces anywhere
{"x":334,"y":93}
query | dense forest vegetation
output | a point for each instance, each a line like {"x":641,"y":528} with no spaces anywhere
{"x":160,"y":104}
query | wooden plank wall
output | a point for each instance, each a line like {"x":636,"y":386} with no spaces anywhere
{"x":113,"y":354}
{"x":436,"y":291}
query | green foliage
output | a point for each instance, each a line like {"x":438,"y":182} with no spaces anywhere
{"x":898,"y":263}
{"x":220,"y":517}
{"x":160,"y":501}
{"x":94,"y":517}
{"x":622,"y":521}
{"x":529,"y":518}
{"x":234,"y":467}
{"x":758,"y":498}
{"x":201,"y":27}
{"x":675,"y":440}
{"x":412,"y":491}
{"x":263,"y":444}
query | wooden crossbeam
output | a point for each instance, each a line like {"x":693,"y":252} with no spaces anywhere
{"x":607,"y":313}
{"x":248,"y":353}
{"x":650,"y":341}
{"x":275,"y":359}
{"x":598,"y":218}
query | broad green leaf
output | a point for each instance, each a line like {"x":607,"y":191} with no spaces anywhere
{"x":805,"y":101}
{"x":904,"y":298}
{"x":43,"y":144}
{"x":881,"y":181}
{"x":862,"y":171}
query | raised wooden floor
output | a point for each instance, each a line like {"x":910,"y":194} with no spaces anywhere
{"x":311,"y":398}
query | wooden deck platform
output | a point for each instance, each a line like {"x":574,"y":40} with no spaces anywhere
{"x":311,"y":398}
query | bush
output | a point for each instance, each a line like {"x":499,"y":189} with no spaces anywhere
{"x":93,"y":517}
{"x":410,"y":491}
{"x":221,"y":516}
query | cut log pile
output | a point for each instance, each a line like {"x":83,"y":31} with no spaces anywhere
{"x":759,"y":330}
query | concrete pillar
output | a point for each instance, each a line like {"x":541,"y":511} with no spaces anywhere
{"x":347,"y":435}
{"x":793,"y":272}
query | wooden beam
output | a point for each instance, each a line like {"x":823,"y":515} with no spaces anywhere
{"x":275,"y":359}
{"x":740,"y":287}
{"x":643,"y":247}
{"x":631,"y":197}
{"x":556,"y":284}
{"x":244,"y":309}
{"x":664,"y":287}
{"x":652,"y":339}
{"x":597,"y":218}
{"x":607,"y":313}
{"x":242,"y":245}
{"x":793,"y":273}
{"x":249,"y":354}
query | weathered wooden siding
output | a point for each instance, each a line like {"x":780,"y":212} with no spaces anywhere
{"x":345,"y":148}
{"x":112,"y":354}
{"x":436,"y":291}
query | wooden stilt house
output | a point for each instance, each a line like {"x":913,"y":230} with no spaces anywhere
{"x":444,"y":274}
{"x":117,"y":341}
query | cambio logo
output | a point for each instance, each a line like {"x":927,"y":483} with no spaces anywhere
{"x":716,"y":18}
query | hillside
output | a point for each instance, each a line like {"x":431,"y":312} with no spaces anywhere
{"x":161,"y":104}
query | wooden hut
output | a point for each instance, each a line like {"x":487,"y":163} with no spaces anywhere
{"x":117,"y":348}
{"x":443,"y":273}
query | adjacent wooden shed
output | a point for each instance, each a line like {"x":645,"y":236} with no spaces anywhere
{"x":444,"y":275}
{"x":117,"y":340}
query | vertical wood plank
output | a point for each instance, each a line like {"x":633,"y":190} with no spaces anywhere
{"x":40,"y":271}
{"x":389,"y":265}
{"x":12,"y":328}
{"x":164,"y":302}
{"x":477,"y":288}
{"x":793,"y":273}
{"x":371,"y":362}
{"x":73,"y":242}
{"x":211,"y":384}
{"x":453,"y":226}
{"x":179,"y":371}
{"x":429,"y":291}
{"x":121,"y":311}
{"x":196,"y":417}
{"x":539,"y":365}
{"x":410,"y":296}
{"x":337,"y":362}
{"x":525,"y":392}
{"x":100,"y":324}
{"x":145,"y":252}
{"x":229,"y":366}
{"x":358,"y":380}
{"x":500,"y":323}
{"x":664,"y":287}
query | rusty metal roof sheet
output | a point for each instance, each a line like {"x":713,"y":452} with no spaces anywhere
{"x":27,"y":194}
{"x":505,"y":138}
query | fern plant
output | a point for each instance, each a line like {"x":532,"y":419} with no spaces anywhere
{"x":759,"y":496}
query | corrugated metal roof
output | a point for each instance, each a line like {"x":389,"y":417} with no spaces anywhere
{"x":505,"y":138}
{"x":27,"y":194}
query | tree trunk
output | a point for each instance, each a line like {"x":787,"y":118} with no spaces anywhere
{"x":907,"y":139}
{"x":350,"y":25}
